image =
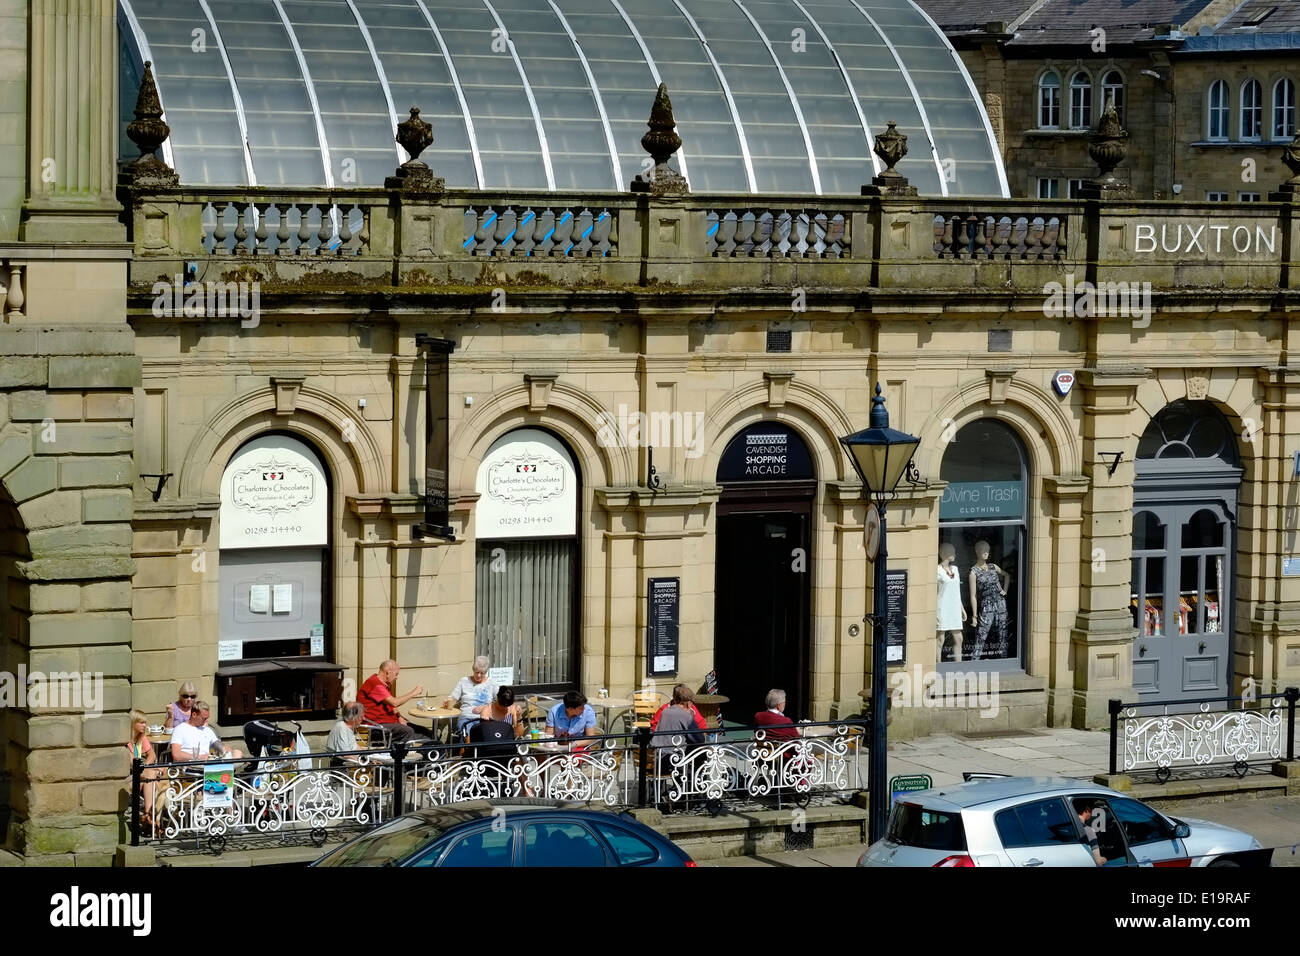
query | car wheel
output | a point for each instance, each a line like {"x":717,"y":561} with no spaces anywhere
{"x":1225,"y":863}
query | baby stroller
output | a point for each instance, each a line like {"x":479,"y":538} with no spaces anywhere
{"x":266,"y":739}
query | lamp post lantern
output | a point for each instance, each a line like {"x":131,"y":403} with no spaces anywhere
{"x":880,"y":455}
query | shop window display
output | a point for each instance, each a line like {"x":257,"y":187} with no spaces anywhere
{"x":982,"y":535}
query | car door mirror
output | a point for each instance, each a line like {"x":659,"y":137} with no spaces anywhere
{"x":1182,"y":831}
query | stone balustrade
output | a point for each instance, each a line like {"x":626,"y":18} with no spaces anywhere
{"x":375,"y":238}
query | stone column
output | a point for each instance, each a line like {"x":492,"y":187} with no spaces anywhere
{"x":1101,"y":641}
{"x":72,"y":123}
{"x":1268,"y":629}
{"x":1068,"y":556}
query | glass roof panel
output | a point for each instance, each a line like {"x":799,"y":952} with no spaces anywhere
{"x":775,"y":91}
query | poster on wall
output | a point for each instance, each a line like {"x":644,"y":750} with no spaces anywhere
{"x":528,"y":488}
{"x":664,"y":598}
{"x":896,"y":621}
{"x":274,"y":494}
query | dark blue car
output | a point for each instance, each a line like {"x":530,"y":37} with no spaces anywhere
{"x":514,"y":833}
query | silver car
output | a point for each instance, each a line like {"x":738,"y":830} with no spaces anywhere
{"x":1036,"y":821}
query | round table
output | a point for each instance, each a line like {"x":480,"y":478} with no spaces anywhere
{"x":428,"y":715}
{"x":710,"y":707}
{"x":610,"y":705}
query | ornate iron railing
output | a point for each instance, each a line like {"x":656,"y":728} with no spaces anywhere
{"x":309,"y":798}
{"x":1202,"y":735}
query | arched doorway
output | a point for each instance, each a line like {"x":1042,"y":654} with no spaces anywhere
{"x":13,"y":615}
{"x":527,"y":580}
{"x":763,"y":569}
{"x":1184,"y":534}
{"x":986,"y":504}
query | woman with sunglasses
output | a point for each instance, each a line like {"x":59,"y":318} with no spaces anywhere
{"x":178,"y":711}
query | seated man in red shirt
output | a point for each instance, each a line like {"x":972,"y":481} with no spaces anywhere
{"x":381,"y":706}
{"x":773,"y":721}
{"x":695,"y":711}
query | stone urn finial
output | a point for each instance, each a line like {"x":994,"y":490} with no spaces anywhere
{"x":414,"y":176}
{"x":149,"y":131}
{"x":891,"y":147}
{"x":415,"y":136}
{"x":661,"y":141}
{"x":1108,"y":146}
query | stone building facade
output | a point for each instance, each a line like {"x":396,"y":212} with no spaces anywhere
{"x":1095,"y":444}
{"x":1162,"y":61}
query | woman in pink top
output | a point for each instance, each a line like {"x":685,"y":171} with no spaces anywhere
{"x":141,"y":748}
{"x":178,"y":711}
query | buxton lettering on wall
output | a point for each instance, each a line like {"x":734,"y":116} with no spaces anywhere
{"x":1205,"y":239}
{"x":274,"y":494}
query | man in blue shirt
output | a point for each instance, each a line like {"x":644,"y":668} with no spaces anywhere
{"x":572,"y":717}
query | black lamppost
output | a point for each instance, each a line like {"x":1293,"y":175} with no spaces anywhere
{"x":881,"y":455}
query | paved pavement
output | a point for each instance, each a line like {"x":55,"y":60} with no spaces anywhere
{"x":1044,"y":751}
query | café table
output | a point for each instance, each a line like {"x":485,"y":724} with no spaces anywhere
{"x":710,"y":707}
{"x":610,"y":706}
{"x":426,"y":713}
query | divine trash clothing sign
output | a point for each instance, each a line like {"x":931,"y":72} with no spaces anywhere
{"x":274,"y":494}
{"x":982,"y":499}
{"x":528,"y":488}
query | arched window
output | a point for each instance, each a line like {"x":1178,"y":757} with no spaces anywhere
{"x":985,"y":506}
{"x":1283,"y":109}
{"x":1216,"y":125}
{"x":1252,"y":109}
{"x":1080,"y":101}
{"x":1112,"y":91}
{"x":1049,"y":101}
{"x":1185,"y":501}
{"x":527,"y":593}
{"x":274,"y":538}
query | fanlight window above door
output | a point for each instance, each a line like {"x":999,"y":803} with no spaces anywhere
{"x":1189,"y":430}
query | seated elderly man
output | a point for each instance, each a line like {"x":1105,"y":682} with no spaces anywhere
{"x":472,"y":694}
{"x":572,"y":717}
{"x":343,"y":736}
{"x":775,"y":724}
{"x":195,"y":740}
{"x":377,"y":695}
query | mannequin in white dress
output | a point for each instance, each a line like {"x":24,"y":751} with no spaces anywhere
{"x":951,"y":615}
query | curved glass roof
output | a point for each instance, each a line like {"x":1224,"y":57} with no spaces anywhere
{"x":769,"y":95}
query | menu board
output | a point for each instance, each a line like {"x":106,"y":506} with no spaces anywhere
{"x":896,"y":619}
{"x":664,"y":597}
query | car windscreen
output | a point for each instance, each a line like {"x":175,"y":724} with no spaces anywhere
{"x":387,"y":845}
{"x":913,"y":825}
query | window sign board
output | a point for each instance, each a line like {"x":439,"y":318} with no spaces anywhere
{"x":768,"y":451}
{"x":664,"y":598}
{"x":982,"y":499}
{"x":501,"y":676}
{"x":1291,"y":567}
{"x":274,"y":494}
{"x":528,"y":487}
{"x":230,"y":650}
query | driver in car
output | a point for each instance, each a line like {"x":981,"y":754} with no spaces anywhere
{"x":1085,"y":811}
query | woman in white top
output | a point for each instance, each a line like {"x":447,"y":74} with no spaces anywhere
{"x":951,"y":616}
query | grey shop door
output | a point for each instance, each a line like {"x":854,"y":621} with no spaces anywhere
{"x":1181,"y":599}
{"x":248,"y":590}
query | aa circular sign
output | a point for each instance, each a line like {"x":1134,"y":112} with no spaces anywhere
{"x":871,"y":532}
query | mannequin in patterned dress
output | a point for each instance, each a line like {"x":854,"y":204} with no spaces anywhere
{"x":988,"y":600}
{"x":951,"y":616}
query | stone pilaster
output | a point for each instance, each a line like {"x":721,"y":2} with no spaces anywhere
{"x":1101,"y":641}
{"x":1065,"y":495}
{"x":72,"y":128}
{"x":1268,"y":637}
